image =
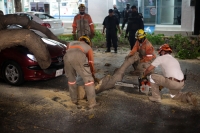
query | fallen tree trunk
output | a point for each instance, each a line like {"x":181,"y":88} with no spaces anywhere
{"x":26,"y":23}
{"x":29,"y":39}
{"x":108,"y":81}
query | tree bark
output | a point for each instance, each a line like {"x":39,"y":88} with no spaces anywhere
{"x":26,"y":37}
{"x":108,"y":81}
{"x":29,"y":39}
{"x":18,"y":6}
{"x":26,"y":23}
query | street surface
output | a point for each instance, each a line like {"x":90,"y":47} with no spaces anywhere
{"x":45,"y":106}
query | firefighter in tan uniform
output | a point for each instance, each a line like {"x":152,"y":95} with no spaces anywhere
{"x":145,"y":50}
{"x":172,"y":78}
{"x":82,"y":24}
{"x":79,"y":60}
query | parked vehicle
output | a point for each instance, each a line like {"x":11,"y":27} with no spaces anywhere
{"x":55,"y":25}
{"x":18,"y":64}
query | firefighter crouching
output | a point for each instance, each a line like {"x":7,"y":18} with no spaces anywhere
{"x":146,"y":52}
{"x":79,"y":59}
{"x":172,"y":78}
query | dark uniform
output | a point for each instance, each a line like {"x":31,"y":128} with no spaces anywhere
{"x":134,"y":23}
{"x":117,"y":14}
{"x":110,"y":23}
{"x":126,"y":13}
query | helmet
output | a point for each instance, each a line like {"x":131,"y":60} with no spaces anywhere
{"x":81,"y":6}
{"x":165,"y":47}
{"x":86,"y":39}
{"x":140,"y":34}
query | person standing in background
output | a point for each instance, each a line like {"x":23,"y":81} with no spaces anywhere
{"x":125,"y":14}
{"x":82,"y":24}
{"x":111,"y":24}
{"x":116,"y":12}
{"x":134,"y":23}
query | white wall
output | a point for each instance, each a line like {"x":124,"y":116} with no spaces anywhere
{"x":2,"y":5}
{"x":98,"y":9}
{"x":187,"y":18}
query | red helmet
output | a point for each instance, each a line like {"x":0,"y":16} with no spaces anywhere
{"x":165,"y":47}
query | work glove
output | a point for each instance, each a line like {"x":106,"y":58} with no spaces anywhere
{"x":96,"y":80}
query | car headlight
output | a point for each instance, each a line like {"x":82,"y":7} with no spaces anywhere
{"x":32,"y":57}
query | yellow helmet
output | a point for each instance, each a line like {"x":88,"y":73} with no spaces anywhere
{"x":140,"y":34}
{"x":81,"y":6}
{"x":86,"y":39}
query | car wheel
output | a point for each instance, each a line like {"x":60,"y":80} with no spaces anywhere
{"x":12,"y":73}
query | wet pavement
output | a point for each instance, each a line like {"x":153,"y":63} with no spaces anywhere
{"x":45,"y":106}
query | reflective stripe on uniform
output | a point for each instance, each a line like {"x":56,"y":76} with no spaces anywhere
{"x":89,"y":83}
{"x":72,"y":83}
{"x":149,"y":55}
{"x":78,"y":47}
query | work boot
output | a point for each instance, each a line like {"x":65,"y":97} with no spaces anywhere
{"x":91,"y":96}
{"x":158,"y":100}
{"x":107,"y":51}
{"x":75,"y":102}
{"x":191,"y":99}
{"x":73,"y":93}
{"x":93,"y":103}
{"x":155,"y":93}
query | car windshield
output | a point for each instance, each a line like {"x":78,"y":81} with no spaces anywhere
{"x":44,"y":16}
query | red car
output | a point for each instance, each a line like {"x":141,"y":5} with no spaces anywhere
{"x":18,"y":64}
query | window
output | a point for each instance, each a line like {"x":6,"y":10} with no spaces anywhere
{"x":26,"y":15}
{"x":44,"y":16}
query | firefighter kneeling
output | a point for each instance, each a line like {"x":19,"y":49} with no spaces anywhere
{"x":79,"y":60}
{"x":172,"y":78}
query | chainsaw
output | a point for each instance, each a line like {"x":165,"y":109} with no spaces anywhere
{"x":142,"y":86}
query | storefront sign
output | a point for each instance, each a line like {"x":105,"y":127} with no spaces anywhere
{"x":149,"y":28}
{"x":153,"y":11}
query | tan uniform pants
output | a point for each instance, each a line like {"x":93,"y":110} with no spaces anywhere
{"x":173,"y":86}
{"x":75,"y":61}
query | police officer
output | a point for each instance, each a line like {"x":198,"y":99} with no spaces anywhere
{"x":134,"y":23}
{"x":126,"y":12}
{"x":111,"y":24}
{"x":116,"y":12}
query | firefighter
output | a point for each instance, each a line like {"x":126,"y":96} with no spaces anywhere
{"x":79,"y":60}
{"x":146,"y":52}
{"x":82,"y":24}
{"x":172,"y":78}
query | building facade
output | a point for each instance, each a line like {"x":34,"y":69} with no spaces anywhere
{"x":158,"y":14}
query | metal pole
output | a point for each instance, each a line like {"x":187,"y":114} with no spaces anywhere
{"x":59,"y":9}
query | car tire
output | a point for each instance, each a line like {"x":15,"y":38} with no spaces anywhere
{"x":12,"y":73}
